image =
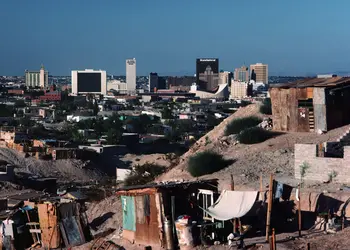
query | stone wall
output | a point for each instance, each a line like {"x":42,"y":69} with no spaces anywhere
{"x":321,"y":167}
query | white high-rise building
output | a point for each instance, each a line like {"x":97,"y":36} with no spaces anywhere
{"x":89,"y":81}
{"x":131,"y":75}
{"x":37,"y":78}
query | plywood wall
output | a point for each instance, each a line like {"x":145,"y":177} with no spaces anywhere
{"x":285,"y":113}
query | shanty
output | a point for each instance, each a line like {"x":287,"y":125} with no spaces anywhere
{"x":186,"y":214}
{"x":311,"y":104}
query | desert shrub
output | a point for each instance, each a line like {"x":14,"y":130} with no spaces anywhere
{"x":143,"y":174}
{"x":237,"y":125}
{"x":206,"y":162}
{"x":265,"y":108}
{"x":254,"y":135}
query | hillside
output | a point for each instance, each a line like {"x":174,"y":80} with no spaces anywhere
{"x":275,"y":155}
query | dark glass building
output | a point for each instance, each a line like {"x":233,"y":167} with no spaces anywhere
{"x":207,"y":73}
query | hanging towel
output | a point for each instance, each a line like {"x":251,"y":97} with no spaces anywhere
{"x":278,"y":189}
{"x":232,"y":204}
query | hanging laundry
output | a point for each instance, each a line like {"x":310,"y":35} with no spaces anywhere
{"x":278,"y":187}
{"x":287,"y":192}
{"x":282,"y":190}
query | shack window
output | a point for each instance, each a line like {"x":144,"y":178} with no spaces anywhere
{"x":206,"y":199}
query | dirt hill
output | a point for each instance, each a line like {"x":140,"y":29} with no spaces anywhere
{"x":65,"y":170}
{"x":275,"y":155}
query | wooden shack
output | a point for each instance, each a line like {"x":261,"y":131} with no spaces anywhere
{"x":145,"y":208}
{"x":311,"y":104}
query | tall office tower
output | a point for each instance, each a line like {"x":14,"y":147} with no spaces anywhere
{"x":37,"y":78}
{"x":241,"y":74}
{"x":153,"y":82}
{"x":162,"y":82}
{"x":225,"y":77}
{"x":261,"y":72}
{"x":207,"y":73}
{"x":131,"y":75}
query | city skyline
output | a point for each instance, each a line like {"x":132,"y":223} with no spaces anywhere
{"x":67,"y":35}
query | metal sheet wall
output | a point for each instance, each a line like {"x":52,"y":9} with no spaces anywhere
{"x":147,"y":228}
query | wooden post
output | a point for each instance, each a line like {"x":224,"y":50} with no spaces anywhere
{"x":273,"y":239}
{"x":261,"y":188}
{"x":270,"y":242}
{"x":299,"y":211}
{"x":269,"y":208}
{"x":308,"y":247}
{"x":232,"y":185}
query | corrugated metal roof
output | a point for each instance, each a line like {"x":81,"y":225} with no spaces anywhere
{"x":314,"y":82}
{"x":169,"y":184}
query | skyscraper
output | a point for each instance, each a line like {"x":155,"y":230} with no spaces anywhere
{"x":207,"y":73}
{"x":37,"y":78}
{"x":242,"y":74}
{"x":153,"y":81}
{"x":225,"y":77}
{"x":261,"y":72}
{"x":131,"y":75}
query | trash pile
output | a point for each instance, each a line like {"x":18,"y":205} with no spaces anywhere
{"x":46,"y":222}
{"x":266,"y":124}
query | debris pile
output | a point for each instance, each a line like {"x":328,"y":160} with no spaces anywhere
{"x":266,"y":124}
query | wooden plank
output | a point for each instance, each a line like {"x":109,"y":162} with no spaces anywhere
{"x":50,"y":236}
{"x":269,"y":208}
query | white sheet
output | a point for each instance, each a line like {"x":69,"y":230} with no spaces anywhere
{"x":232,"y":204}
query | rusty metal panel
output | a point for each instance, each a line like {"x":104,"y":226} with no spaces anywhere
{"x":302,"y":93}
{"x":284,"y":109}
{"x":303,"y":120}
{"x":310,"y":93}
{"x":50,"y":235}
{"x":293,"y":110}
{"x":147,"y":230}
{"x":154,"y":228}
{"x":276,"y":108}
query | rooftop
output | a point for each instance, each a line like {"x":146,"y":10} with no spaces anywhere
{"x":171,"y":184}
{"x":314,"y":82}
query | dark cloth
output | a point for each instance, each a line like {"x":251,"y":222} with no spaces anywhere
{"x":281,"y":190}
{"x":147,"y":205}
{"x":287,"y":192}
{"x":67,"y":209}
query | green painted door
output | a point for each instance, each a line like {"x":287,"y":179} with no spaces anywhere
{"x":129,"y":217}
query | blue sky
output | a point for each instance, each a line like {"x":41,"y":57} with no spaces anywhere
{"x":166,"y":36}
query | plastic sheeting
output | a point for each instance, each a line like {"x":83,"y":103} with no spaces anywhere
{"x":232,"y":204}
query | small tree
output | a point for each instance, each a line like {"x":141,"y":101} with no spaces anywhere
{"x":255,"y":135}
{"x":332,"y":175}
{"x":303,"y":169}
{"x":143,"y":174}
{"x":206,"y":162}
{"x":237,"y":125}
{"x":265,"y":108}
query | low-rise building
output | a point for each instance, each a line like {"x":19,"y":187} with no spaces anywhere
{"x":51,"y":96}
{"x":16,"y":91}
{"x":238,"y":89}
